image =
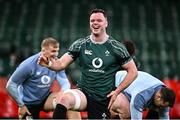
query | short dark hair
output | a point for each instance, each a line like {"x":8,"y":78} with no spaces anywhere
{"x":96,"y":10}
{"x":168,"y":95}
{"x":130,"y":47}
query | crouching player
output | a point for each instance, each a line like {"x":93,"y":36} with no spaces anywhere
{"x":30,"y":84}
{"x":145,"y":92}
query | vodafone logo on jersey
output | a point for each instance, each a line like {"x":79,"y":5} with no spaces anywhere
{"x":97,"y":62}
{"x":45,"y":79}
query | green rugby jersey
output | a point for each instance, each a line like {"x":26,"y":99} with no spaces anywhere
{"x":99,"y":64}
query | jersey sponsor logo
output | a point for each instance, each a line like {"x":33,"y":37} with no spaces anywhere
{"x":88,"y":52}
{"x":45,"y":80}
{"x":97,"y":62}
{"x":96,"y":70}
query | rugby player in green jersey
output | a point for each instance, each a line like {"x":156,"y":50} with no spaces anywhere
{"x":100,"y":57}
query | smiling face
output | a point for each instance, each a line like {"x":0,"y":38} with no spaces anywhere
{"x":98,"y":24}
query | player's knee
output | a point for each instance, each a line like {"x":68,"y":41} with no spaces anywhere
{"x":124,"y":112}
{"x":121,"y":108}
{"x":71,"y":99}
{"x":114,"y":108}
{"x":116,"y":105}
{"x":124,"y":116}
{"x":66,"y":99}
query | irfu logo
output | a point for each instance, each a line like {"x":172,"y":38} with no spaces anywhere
{"x":104,"y":116}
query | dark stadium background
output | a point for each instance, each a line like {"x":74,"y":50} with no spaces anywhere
{"x":153,"y":25}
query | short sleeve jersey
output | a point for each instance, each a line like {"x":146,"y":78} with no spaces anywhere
{"x":98,"y":64}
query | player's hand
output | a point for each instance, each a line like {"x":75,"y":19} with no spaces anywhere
{"x":22,"y":111}
{"x":113,"y":96}
{"x":43,"y":61}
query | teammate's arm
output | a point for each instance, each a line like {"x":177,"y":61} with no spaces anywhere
{"x":63,"y":61}
{"x":131,"y":69}
{"x":16,"y":79}
{"x":12,"y":88}
{"x":131,"y":75}
{"x":55,"y":64}
{"x":135,"y":114}
{"x":13,"y":85}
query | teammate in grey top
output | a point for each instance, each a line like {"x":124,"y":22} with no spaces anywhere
{"x":146,"y":92}
{"x":30,"y":84}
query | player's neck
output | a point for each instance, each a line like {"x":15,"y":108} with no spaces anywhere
{"x":100,"y":39}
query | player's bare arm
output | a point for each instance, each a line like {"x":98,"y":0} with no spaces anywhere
{"x":55,"y":64}
{"x":130,"y":77}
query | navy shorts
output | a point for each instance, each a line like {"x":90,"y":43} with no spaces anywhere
{"x":35,"y":109}
{"x":97,"y":109}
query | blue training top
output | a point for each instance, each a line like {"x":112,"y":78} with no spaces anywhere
{"x":30,"y":83}
{"x":140,"y":93}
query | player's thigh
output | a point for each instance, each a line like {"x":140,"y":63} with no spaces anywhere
{"x":50,"y":101}
{"x":73,"y":99}
{"x":122,"y":106}
{"x":113,"y":114}
{"x":83,"y":103}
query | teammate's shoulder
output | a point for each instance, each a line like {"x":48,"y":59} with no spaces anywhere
{"x":34,"y":57}
{"x":121,"y":72}
{"x":30,"y":60}
{"x":115,"y":43}
{"x":81,"y":41}
{"x":144,"y":73}
{"x":61,"y":71}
